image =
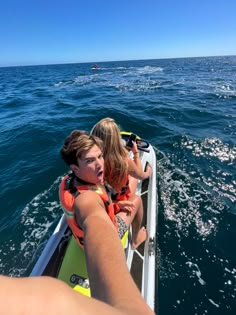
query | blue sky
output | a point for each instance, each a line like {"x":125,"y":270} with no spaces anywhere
{"x":49,"y":31}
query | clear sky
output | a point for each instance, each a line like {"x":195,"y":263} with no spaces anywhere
{"x":67,"y":31}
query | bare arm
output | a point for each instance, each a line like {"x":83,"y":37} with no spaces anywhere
{"x":49,"y":296}
{"x":135,"y":168}
{"x":89,"y":204}
{"x":109,"y":277}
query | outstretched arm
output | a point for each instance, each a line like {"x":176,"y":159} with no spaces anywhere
{"x":110,"y":279}
{"x":48,"y":296}
{"x":113,"y":290}
{"x":109,"y":276}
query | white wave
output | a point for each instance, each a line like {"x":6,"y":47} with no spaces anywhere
{"x":213,"y":147}
{"x":186,"y":203}
{"x":212,"y":302}
{"x":109,"y":78}
{"x":149,"y":69}
{"x":220,"y":181}
{"x":225,"y":90}
{"x":196,"y":272}
{"x":78,"y":80}
{"x":38,"y":216}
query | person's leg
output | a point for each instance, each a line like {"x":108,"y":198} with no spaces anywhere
{"x":133,"y":182}
{"x":139,"y":235}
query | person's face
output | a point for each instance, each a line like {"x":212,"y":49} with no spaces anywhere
{"x":91,"y":166}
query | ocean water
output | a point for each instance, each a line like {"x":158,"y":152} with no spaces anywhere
{"x":186,"y":108}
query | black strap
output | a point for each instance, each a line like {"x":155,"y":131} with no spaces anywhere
{"x":112,"y":193}
{"x":70,"y":185}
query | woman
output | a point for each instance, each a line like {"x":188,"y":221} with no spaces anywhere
{"x":123,"y":173}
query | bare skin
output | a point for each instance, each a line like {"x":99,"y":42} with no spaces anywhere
{"x":118,"y":158}
{"x":113,"y":289}
{"x":92,"y":216}
{"x":135,"y":170}
{"x":91,"y":168}
{"x":48,"y":296}
{"x":139,"y":235}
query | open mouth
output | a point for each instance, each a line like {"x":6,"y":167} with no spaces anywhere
{"x":100,"y":174}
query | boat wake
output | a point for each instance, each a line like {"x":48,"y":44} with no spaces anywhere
{"x":194,"y":222}
{"x":38,"y":220}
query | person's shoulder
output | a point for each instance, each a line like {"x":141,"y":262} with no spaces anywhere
{"x":88,"y":204}
{"x":88,"y":200}
{"x":88,"y":197}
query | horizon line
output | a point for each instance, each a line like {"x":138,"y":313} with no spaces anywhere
{"x":124,"y":60}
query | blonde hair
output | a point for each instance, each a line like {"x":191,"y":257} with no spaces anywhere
{"x":115,"y":154}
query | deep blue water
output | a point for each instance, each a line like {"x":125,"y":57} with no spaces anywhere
{"x":186,"y":108}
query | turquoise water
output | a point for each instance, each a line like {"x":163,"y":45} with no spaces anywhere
{"x":186,"y":108}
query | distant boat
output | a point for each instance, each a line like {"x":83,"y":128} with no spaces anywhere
{"x":95,"y":67}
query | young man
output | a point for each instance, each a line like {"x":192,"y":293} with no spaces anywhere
{"x":83,"y":154}
{"x":113,"y":290}
{"x":90,"y":215}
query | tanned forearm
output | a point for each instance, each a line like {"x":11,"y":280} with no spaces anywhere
{"x":105,"y":268}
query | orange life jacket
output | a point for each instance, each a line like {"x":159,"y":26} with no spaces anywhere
{"x":124,"y":192}
{"x":68,"y":194}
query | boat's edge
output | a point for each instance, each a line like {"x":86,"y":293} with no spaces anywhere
{"x":149,"y":266}
{"x":50,"y":247}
